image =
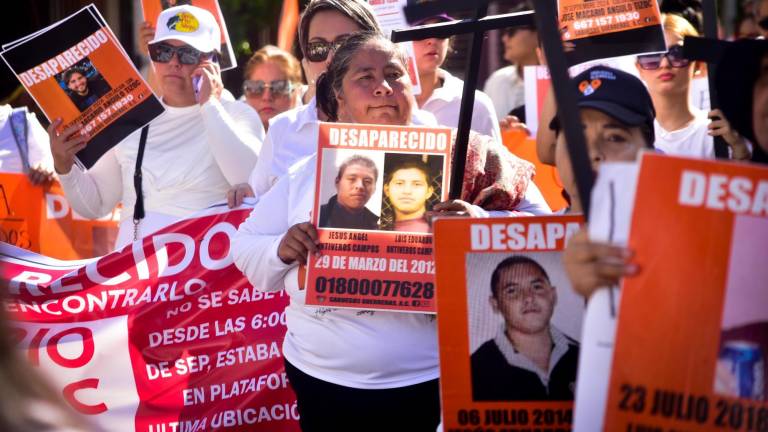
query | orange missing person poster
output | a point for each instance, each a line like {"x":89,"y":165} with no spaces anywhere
{"x":610,"y":28}
{"x":374,"y":186}
{"x":692,"y":338}
{"x":151,"y":10}
{"x":41,"y":220}
{"x":509,"y":352}
{"x":77,"y":70}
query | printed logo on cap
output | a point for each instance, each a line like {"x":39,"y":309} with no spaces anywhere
{"x":588,"y":87}
{"x":183,"y":22}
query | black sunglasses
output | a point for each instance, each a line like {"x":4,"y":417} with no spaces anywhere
{"x":277,"y":88}
{"x":163,"y":53}
{"x":674,"y":57}
{"x":317,"y":51}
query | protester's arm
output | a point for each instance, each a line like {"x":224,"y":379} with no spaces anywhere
{"x":39,"y":157}
{"x":96,"y":192}
{"x":260,"y":176}
{"x":265,"y":237}
{"x":720,"y":126}
{"x":235,"y":135}
{"x":545,"y":137}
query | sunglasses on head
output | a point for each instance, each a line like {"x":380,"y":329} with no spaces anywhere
{"x":674,"y":57}
{"x":163,"y":53}
{"x":257,"y":88}
{"x":317,"y":51}
{"x":513,"y":30}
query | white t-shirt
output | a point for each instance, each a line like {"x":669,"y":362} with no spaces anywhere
{"x":193,"y":155}
{"x":37,"y":143}
{"x":506,"y":89}
{"x":445,"y":104}
{"x":366,"y":350}
{"x":691,"y":141}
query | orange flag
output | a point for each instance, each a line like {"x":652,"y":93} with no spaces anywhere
{"x":289,"y":21}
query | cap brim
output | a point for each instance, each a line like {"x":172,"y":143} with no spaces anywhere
{"x":737,"y":73}
{"x":436,"y":18}
{"x":191,"y":41}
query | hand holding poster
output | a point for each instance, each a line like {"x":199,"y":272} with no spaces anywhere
{"x":164,"y":335}
{"x":77,"y":70}
{"x":374,"y":186}
{"x":151,"y":10}
{"x":692,"y":334}
{"x":508,"y":355}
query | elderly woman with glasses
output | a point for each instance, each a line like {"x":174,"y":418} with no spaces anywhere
{"x":680,"y":128}
{"x":272,"y":82}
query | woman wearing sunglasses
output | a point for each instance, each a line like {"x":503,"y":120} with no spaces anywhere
{"x":272,"y":82}
{"x":191,"y":154}
{"x":680,"y":128}
{"x":293,"y":134}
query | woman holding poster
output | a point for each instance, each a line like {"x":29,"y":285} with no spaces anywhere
{"x":373,"y":364}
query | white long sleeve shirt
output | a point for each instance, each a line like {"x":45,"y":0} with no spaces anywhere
{"x":192,"y":157}
{"x":359,"y":349}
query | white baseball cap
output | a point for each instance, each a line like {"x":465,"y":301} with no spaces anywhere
{"x":192,"y":25}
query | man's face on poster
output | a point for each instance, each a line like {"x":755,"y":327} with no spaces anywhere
{"x":78,"y":83}
{"x":355,"y":187}
{"x":525,"y":298}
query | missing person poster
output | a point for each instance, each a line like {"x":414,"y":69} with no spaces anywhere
{"x":164,"y":335}
{"x":151,"y":10}
{"x":509,"y":353}
{"x":374,"y":188}
{"x":41,"y":220}
{"x":692,"y":339}
{"x":610,"y":28}
{"x":76,"y":70}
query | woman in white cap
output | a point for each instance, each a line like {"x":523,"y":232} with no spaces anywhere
{"x":192,"y":153}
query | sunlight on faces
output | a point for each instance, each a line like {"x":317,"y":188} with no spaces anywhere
{"x":326,"y":26}
{"x":525,"y":298}
{"x":608,"y":140}
{"x":355,"y":187}
{"x":376,"y":88}
{"x":408,"y":191}
{"x":270,"y":104}
{"x":667,"y":79}
{"x":760,"y":105}
{"x":78,"y":83}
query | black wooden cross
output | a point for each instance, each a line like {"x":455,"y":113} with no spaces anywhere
{"x":546,"y":20}
{"x":477,"y":26}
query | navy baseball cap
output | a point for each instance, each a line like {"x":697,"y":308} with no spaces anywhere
{"x":617,"y":94}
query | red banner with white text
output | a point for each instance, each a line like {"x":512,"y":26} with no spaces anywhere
{"x":163,"y":335}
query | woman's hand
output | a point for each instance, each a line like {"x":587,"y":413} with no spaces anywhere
{"x":146,"y":34}
{"x":720,"y":126}
{"x":237,"y":194}
{"x":592,"y":265}
{"x":39,"y":175}
{"x":64,"y":145}
{"x":211,"y":85}
{"x":510,"y":123}
{"x":296,"y":245}
{"x":454,"y":208}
